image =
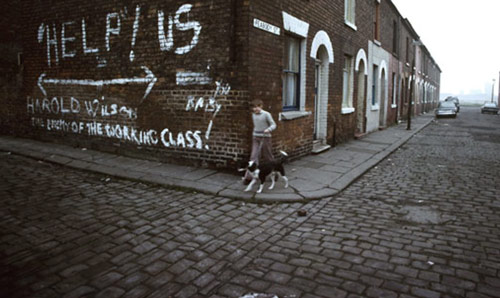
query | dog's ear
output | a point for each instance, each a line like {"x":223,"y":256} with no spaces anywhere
{"x":252,"y":166}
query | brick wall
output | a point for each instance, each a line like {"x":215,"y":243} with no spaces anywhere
{"x":406,"y":57}
{"x":157,"y":79}
{"x":266,"y":56}
{"x":391,"y":23}
{"x":172,"y":80}
{"x":10,"y":66}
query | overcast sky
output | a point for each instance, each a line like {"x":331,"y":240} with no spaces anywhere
{"x":462,"y":37}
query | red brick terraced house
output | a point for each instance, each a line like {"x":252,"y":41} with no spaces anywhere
{"x":173,"y":80}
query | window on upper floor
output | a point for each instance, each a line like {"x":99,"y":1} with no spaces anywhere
{"x":407,"y":49}
{"x":395,"y":37}
{"x":291,"y":73}
{"x":350,"y":13}
{"x":376,"y":25}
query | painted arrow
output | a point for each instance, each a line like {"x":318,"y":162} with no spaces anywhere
{"x":150,"y":79}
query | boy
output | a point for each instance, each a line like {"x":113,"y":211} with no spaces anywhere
{"x":263,"y":125}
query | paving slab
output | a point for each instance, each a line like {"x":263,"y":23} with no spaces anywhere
{"x":221,"y":179}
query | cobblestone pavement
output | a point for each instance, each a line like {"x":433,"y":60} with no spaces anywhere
{"x":424,"y":223}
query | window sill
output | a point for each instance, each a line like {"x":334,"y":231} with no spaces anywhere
{"x":351,"y":25}
{"x":291,"y":115}
{"x":378,"y":43}
{"x":347,"y":110}
{"x":375,"y":108}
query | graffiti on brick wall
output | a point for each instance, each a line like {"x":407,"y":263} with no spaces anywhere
{"x":167,"y":42}
{"x":103,"y":118}
{"x":55,"y":36}
{"x":208,"y":105}
{"x":59,"y":36}
{"x":148,"y":79}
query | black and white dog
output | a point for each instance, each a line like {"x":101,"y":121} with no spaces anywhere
{"x":264,"y":169}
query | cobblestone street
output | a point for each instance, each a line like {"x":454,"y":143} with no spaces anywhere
{"x":425,"y":222}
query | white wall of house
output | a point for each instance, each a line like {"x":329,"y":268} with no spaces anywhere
{"x":379,"y":57}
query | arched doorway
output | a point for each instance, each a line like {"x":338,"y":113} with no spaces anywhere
{"x":404,"y":97}
{"x":361,"y":68}
{"x":321,"y":95}
{"x":361,"y":99}
{"x":322,"y":53}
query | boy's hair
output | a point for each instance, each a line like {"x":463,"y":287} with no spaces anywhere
{"x":257,"y":103}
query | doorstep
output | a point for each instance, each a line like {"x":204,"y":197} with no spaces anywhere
{"x":318,"y":148}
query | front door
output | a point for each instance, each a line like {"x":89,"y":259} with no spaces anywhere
{"x":382,"y":102}
{"x":317,"y":99}
{"x":361,"y":100}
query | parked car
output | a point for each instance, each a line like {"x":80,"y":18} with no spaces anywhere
{"x":455,"y":100}
{"x":489,"y":107}
{"x":446,"y":109}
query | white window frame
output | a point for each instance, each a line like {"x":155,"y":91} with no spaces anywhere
{"x":350,"y":13}
{"x":296,"y":90}
{"x":375,"y":86}
{"x":348,"y":85}
{"x":299,"y":28}
{"x":376,"y":25}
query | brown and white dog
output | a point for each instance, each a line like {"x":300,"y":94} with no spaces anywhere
{"x":263,"y":170}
